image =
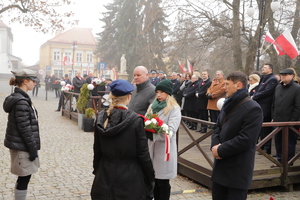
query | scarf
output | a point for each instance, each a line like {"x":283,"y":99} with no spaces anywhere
{"x":158,"y":105}
{"x":253,"y":86}
{"x":236,"y":98}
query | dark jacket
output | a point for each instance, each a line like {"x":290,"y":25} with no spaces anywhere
{"x":77,"y":83}
{"x":176,"y":85}
{"x":122,"y":163}
{"x":142,"y":96}
{"x":154,"y":81}
{"x":252,"y":91}
{"x":190,"y":99}
{"x":265,"y":93}
{"x":56,"y":85}
{"x":22,"y":131}
{"x":287,"y":102}
{"x":238,"y":137}
{"x":201,"y":90}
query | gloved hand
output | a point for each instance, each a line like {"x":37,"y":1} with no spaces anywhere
{"x":33,"y":156}
{"x":149,"y":135}
{"x":149,"y":191}
{"x":209,"y":96}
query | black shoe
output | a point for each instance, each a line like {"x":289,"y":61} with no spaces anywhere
{"x":57,"y":110}
{"x":200,"y":130}
{"x":203,"y":131}
{"x":194,"y":128}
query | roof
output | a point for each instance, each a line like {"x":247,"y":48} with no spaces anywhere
{"x":83,"y":36}
{"x":2,"y":25}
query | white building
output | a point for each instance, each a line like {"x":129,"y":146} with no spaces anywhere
{"x":8,"y":62}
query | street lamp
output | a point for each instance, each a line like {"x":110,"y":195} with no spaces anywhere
{"x":73,"y":46}
{"x":275,"y":5}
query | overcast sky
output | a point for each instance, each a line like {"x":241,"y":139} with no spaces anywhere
{"x":27,"y":41}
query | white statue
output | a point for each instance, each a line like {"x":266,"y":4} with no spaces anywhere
{"x":123,"y":64}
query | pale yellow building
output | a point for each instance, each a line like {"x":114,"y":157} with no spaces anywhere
{"x":68,"y":53}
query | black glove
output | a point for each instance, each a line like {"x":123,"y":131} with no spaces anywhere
{"x":149,"y":135}
{"x":149,"y":191}
{"x":33,"y":156}
{"x":209,"y":96}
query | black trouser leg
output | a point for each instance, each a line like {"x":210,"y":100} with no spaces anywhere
{"x":203,"y":114}
{"x":264,"y":132}
{"x":220,"y":192}
{"x":292,"y":141}
{"x":162,"y":189}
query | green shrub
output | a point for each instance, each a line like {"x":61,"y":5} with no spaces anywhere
{"x":83,"y":98}
{"x":89,"y":113}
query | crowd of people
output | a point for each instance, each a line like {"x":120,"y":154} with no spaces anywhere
{"x":131,"y":162}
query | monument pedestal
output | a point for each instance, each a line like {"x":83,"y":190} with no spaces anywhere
{"x":123,"y":76}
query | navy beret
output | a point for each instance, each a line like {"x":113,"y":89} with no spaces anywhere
{"x":121,"y":87}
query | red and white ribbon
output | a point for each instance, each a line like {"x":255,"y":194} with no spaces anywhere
{"x":167,"y":147}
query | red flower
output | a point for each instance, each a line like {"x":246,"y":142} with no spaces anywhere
{"x":159,"y":121}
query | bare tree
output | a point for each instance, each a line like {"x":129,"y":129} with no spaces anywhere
{"x":43,"y":16}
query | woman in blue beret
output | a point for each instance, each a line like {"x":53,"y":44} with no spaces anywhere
{"x":22,"y":131}
{"x":167,"y":109}
{"x":122,"y":164}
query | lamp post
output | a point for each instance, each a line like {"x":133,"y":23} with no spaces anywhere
{"x":73,"y":59}
{"x":275,"y":5}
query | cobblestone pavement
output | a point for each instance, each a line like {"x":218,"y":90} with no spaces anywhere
{"x":66,"y":161}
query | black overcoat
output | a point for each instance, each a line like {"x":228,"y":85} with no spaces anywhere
{"x":265,"y":93}
{"x":122,"y":164}
{"x":190,"y":99}
{"x":238,"y":137}
{"x":201,"y":90}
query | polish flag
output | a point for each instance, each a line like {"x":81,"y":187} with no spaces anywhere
{"x":183,"y":69}
{"x":271,"y":40}
{"x":288,"y":45}
{"x":65,"y":59}
{"x":189,"y":66}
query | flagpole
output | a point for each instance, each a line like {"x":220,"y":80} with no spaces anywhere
{"x":261,"y":12}
{"x":268,"y":47}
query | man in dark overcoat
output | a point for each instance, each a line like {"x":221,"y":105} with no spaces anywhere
{"x":233,"y":141}
{"x":286,"y":109}
{"x":264,"y":97}
{"x":202,"y":100}
{"x":191,"y":100}
{"x":175,"y":84}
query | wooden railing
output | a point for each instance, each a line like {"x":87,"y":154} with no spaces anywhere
{"x":285,"y":175}
{"x":68,"y":102}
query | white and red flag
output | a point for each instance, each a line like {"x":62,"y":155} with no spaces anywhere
{"x":271,"y":40}
{"x":189,"y":66}
{"x":183,"y":69}
{"x":288,"y":45}
{"x":65,"y":59}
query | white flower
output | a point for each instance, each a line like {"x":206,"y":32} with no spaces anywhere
{"x":165,"y":127}
{"x":154,"y":121}
{"x":147,"y":122}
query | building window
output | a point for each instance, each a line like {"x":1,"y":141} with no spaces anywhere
{"x":56,"y":56}
{"x":78,"y":57}
{"x":89,"y":58}
{"x":58,"y":73}
{"x":68,"y":54}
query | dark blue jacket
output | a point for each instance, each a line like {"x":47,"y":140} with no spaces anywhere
{"x":238,"y":137}
{"x":265,"y":93}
